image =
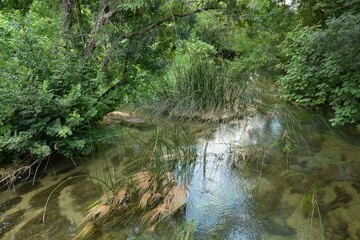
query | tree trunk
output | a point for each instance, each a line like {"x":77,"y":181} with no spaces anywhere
{"x":104,"y":15}
{"x":67,"y":8}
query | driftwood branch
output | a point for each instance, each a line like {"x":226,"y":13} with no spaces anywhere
{"x":8,"y":178}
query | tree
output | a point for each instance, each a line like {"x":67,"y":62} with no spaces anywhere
{"x":316,"y":12}
{"x":55,"y":87}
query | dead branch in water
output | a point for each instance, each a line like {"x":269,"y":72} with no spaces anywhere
{"x":8,"y":178}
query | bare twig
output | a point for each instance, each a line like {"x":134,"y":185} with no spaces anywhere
{"x":8,"y":178}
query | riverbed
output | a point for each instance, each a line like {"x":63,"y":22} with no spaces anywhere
{"x":259,"y":177}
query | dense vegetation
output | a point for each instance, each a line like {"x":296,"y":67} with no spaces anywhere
{"x":322,"y":66}
{"x":64,"y":65}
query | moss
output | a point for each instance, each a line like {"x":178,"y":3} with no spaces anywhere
{"x":11,"y":221}
{"x":116,"y":160}
{"x":356,"y":185}
{"x":66,"y":170}
{"x":39,"y":199}
{"x":55,"y":227}
{"x":83,"y":192}
{"x":342,"y":197}
{"x":321,"y":176}
{"x":355,"y":167}
{"x":28,"y":187}
{"x":9,"y":204}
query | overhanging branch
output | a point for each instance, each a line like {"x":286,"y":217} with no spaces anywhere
{"x":145,"y":30}
{"x":138,"y":33}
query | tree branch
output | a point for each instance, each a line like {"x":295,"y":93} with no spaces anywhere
{"x":145,"y":30}
{"x":102,"y":19}
{"x":170,"y":17}
{"x":67,"y":9}
{"x":138,"y":33}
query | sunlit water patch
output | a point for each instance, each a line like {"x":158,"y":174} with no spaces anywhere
{"x":220,"y":199}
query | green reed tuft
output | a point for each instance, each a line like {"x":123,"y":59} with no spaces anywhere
{"x":197,"y":84}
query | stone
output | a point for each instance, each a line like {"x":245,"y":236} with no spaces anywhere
{"x":117,"y":117}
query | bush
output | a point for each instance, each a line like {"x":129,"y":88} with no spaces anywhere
{"x":49,"y":97}
{"x":322,"y":67}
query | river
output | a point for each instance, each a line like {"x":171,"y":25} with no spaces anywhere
{"x":260,"y":177}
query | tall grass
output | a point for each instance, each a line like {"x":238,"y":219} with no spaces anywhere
{"x":200,"y":84}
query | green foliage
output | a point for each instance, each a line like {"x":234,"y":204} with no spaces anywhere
{"x":195,"y":81}
{"x":52,"y":94}
{"x":322,"y":67}
{"x":49,"y":98}
{"x":314,"y":12}
{"x":22,"y":5}
{"x":256,"y":34}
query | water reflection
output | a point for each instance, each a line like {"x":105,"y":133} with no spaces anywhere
{"x":220,"y":199}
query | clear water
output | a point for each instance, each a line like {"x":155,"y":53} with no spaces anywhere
{"x":266,"y":199}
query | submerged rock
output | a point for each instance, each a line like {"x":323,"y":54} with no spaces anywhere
{"x":345,"y":221}
{"x":28,"y":187}
{"x":211,"y":116}
{"x":354,"y":230}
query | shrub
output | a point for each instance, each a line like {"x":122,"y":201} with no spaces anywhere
{"x":322,"y":67}
{"x":49,"y":97}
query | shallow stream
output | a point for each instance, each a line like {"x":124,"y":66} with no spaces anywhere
{"x":255,"y":178}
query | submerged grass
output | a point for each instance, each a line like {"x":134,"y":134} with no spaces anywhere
{"x":245,"y":156}
{"x":185,"y":231}
{"x":310,"y":209}
{"x":154,"y":186}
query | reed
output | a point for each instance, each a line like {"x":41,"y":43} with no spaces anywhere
{"x":309,"y":209}
{"x":198,"y":85}
{"x":155,"y":185}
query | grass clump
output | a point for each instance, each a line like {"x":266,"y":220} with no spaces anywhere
{"x":197,"y":81}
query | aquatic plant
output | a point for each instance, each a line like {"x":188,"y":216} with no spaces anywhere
{"x":154,"y":197}
{"x":185,"y":231}
{"x":155,"y":184}
{"x":287,"y":146}
{"x":196,"y":83}
{"x":248,"y":155}
{"x":309,"y":209}
{"x":290,"y":138}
